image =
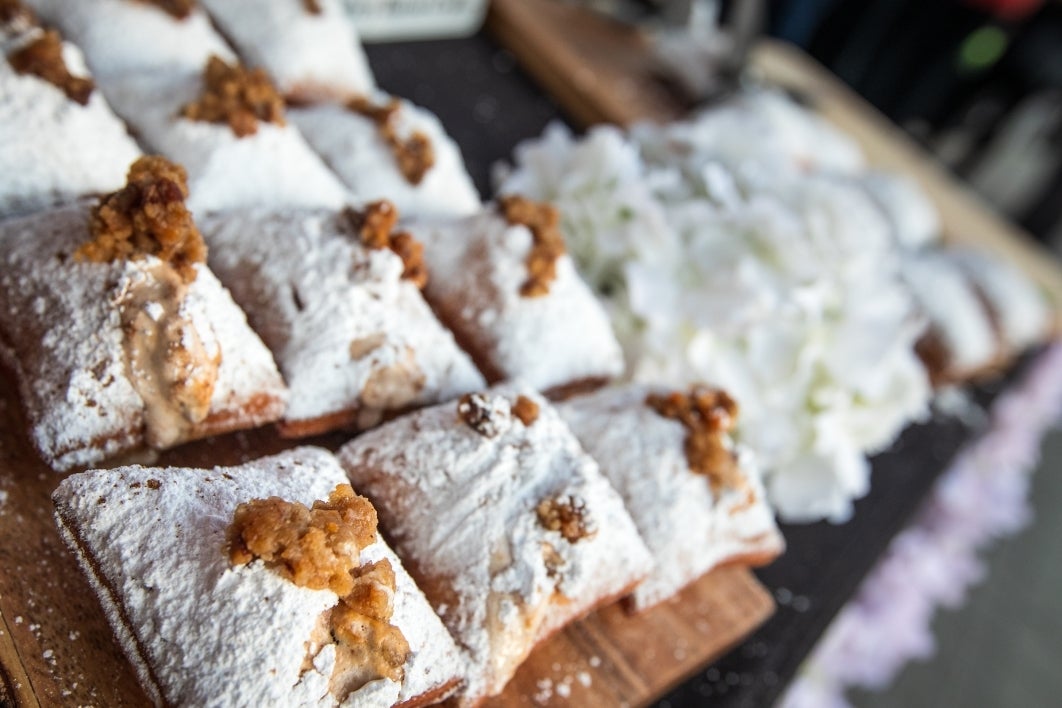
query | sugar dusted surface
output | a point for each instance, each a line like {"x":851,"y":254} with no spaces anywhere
{"x":123,"y":36}
{"x":64,"y":150}
{"x":309,"y":56}
{"x":351,"y":144}
{"x":687,"y":528}
{"x":312,"y":291}
{"x":460,"y":509}
{"x":61,"y":333}
{"x":211,"y":633}
{"x":1021,"y":312}
{"x":478,"y":265}
{"x":274,"y":167}
{"x":247,"y":368}
{"x":954,"y":311}
{"x":63,"y":340}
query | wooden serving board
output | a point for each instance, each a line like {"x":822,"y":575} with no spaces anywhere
{"x":56,"y":648}
{"x":600,"y":71}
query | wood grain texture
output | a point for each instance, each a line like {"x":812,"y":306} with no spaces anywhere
{"x":596,"y":69}
{"x":56,"y":647}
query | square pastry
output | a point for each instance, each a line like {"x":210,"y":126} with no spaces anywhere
{"x":1018,"y":310}
{"x":503,"y":282}
{"x":309,"y":47}
{"x":336,"y":297}
{"x":136,"y":36}
{"x":226,"y":124}
{"x":506,"y":524}
{"x":117,"y":332}
{"x":387,"y":148}
{"x":69,"y":144}
{"x":695,"y":497}
{"x":264,"y":584}
{"x":959,"y":341}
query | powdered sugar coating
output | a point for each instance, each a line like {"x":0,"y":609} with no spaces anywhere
{"x":1020,"y":310}
{"x":460,"y":508}
{"x":310,"y":56}
{"x":126,"y":36}
{"x":955,"y":313}
{"x":63,"y":150}
{"x":203,"y":632}
{"x":274,"y":167}
{"x":686,"y":527}
{"x":913,"y":217}
{"x":61,"y":333}
{"x":352,"y":146}
{"x":478,"y":265}
{"x":337,"y":315}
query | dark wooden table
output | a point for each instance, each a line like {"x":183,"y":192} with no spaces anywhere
{"x":489,"y":105}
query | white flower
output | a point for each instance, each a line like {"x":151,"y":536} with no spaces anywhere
{"x":725,"y":256}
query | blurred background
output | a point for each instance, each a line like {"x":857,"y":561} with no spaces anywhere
{"x":977,"y":82}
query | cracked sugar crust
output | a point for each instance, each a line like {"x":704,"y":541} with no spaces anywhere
{"x":310,"y":56}
{"x":688,"y":527}
{"x":61,"y":333}
{"x":353,"y":146}
{"x":348,"y":333}
{"x":274,"y":167}
{"x":200,"y":631}
{"x":462,"y":510}
{"x":65,"y":150}
{"x":478,"y":267}
{"x":121,"y":37}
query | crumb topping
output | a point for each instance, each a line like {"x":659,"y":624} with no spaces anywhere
{"x":177,"y":8}
{"x":312,"y":6}
{"x":567,"y":516}
{"x":525,"y":410}
{"x":43,"y":57}
{"x":238,"y":96}
{"x":315,"y":547}
{"x":12,"y":10}
{"x":320,"y":547}
{"x":374,"y":226}
{"x":147,"y":217}
{"x":414,"y":155}
{"x":369,"y":646}
{"x":543,"y":221}
{"x":708,"y":414}
{"x":487,"y":415}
